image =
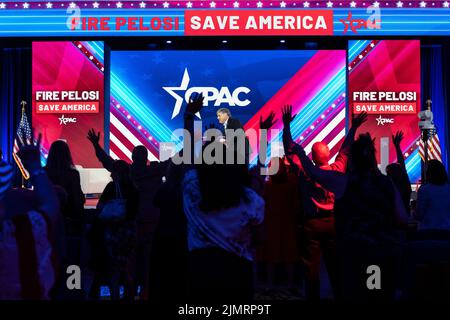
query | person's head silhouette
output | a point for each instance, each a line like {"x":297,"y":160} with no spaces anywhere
{"x":320,"y":153}
{"x":139,"y":155}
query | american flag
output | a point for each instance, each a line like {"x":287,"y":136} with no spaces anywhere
{"x":434,"y":148}
{"x":23,"y":132}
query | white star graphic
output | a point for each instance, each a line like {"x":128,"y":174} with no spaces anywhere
{"x":142,"y":5}
{"x":2,"y":5}
{"x":376,"y":4}
{"x":283,"y":4}
{"x":306,"y":4}
{"x":353,"y":4}
{"x":236,"y":4}
{"x":119,"y":4}
{"x":399,"y":4}
{"x":423,"y":4}
{"x":179,"y":99}
{"x":72,"y":5}
{"x":95,"y":5}
{"x":259,"y":4}
{"x":329,"y":4}
{"x":49,"y":5}
{"x":372,"y":45}
{"x":212,"y":4}
{"x":446,"y":4}
{"x":166,"y":4}
{"x":26,"y":5}
{"x":189,"y":4}
{"x":360,"y":56}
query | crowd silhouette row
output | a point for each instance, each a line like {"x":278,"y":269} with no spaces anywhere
{"x":221,"y":232}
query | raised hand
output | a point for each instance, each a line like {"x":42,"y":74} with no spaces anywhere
{"x":287,"y":116}
{"x":359,"y":119}
{"x":397,"y":138}
{"x":94,"y":137}
{"x":29,"y":153}
{"x":268,"y":122}
{"x":195,"y":103}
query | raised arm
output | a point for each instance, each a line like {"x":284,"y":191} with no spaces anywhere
{"x":195,"y":105}
{"x":287,"y":118}
{"x":265,"y":124}
{"x":340,"y":164}
{"x":397,"y":140}
{"x":29,"y":153}
{"x":102,"y":156}
{"x":333,"y":181}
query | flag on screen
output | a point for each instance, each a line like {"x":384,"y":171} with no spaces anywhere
{"x":434,"y":148}
{"x":24,"y":132}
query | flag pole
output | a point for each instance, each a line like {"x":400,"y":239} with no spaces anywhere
{"x":23,"y":103}
{"x":425,"y":138}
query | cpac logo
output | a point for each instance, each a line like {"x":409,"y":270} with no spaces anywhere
{"x":64,"y":121}
{"x":382,"y":121}
{"x":373,"y":22}
{"x":219,"y":96}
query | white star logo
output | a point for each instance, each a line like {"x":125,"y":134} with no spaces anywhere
{"x":446,"y":4}
{"x":423,"y":4}
{"x":353,"y":4}
{"x":399,"y":4}
{"x":26,"y":5}
{"x":2,"y":5}
{"x":306,"y":4}
{"x":49,"y":5}
{"x":142,"y":5}
{"x":95,"y":5}
{"x":259,"y":4}
{"x":283,"y":4}
{"x":236,"y":4}
{"x":212,"y":4}
{"x":165,"y":4}
{"x":329,"y":4}
{"x":72,"y":5}
{"x":376,"y":4}
{"x":189,"y":4}
{"x":119,"y":4}
{"x":179,"y":99}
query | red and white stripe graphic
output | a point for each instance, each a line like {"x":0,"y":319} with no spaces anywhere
{"x":123,"y":138}
{"x":434,"y":149}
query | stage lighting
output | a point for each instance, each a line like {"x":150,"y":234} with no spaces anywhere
{"x":282,"y":41}
{"x":224,"y":41}
{"x":169,"y":41}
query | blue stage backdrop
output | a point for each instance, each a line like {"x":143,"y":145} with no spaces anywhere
{"x":149,"y":88}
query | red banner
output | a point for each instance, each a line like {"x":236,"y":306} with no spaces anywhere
{"x":259,"y":23}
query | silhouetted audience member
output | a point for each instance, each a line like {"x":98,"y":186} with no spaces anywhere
{"x":368,"y":208}
{"x":280,"y":245}
{"x":433,"y":199}
{"x":222,"y":213}
{"x":397,"y":172}
{"x":146,"y":178}
{"x":169,"y":254}
{"x":27,"y":255}
{"x":318,"y":208}
{"x":118,"y":208}
{"x":62,"y":172}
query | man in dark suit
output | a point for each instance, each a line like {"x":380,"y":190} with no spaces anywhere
{"x":224,"y":117}
{"x":230,"y":123}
